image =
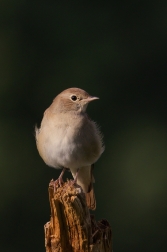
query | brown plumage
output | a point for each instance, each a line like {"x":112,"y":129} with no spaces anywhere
{"x":68,"y":138}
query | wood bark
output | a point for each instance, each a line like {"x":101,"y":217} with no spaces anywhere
{"x":71,"y":227}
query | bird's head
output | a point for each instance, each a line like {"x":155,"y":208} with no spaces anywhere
{"x":72,"y":99}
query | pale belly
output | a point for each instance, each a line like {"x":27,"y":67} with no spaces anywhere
{"x":59,"y":148}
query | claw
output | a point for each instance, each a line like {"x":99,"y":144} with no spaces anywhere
{"x":59,"y":181}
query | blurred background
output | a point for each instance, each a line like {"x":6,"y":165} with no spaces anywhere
{"x":114,"y":50}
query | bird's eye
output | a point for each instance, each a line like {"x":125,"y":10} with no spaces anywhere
{"x":73,"y":98}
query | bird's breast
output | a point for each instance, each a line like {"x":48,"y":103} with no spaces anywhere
{"x":71,"y":143}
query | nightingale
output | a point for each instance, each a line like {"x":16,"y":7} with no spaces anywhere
{"x":68,"y":138}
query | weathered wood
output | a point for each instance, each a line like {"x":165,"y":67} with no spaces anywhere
{"x":71,"y":227}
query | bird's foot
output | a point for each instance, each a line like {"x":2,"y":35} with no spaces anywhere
{"x":59,"y":182}
{"x":55,"y":184}
{"x":74,"y":181}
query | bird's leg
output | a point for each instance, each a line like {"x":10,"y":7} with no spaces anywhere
{"x":60,"y":178}
{"x":76,"y":176}
{"x":72,"y":182}
{"x":59,"y":181}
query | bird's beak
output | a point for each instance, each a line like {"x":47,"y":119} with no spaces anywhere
{"x":91,"y":98}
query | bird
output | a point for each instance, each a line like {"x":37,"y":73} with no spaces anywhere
{"x":67,"y":138}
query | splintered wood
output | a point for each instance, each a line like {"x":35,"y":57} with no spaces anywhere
{"x":71,"y":227}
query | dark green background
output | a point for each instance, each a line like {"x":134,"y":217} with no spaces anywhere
{"x":116,"y":50}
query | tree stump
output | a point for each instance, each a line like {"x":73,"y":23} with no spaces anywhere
{"x":71,"y":227}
